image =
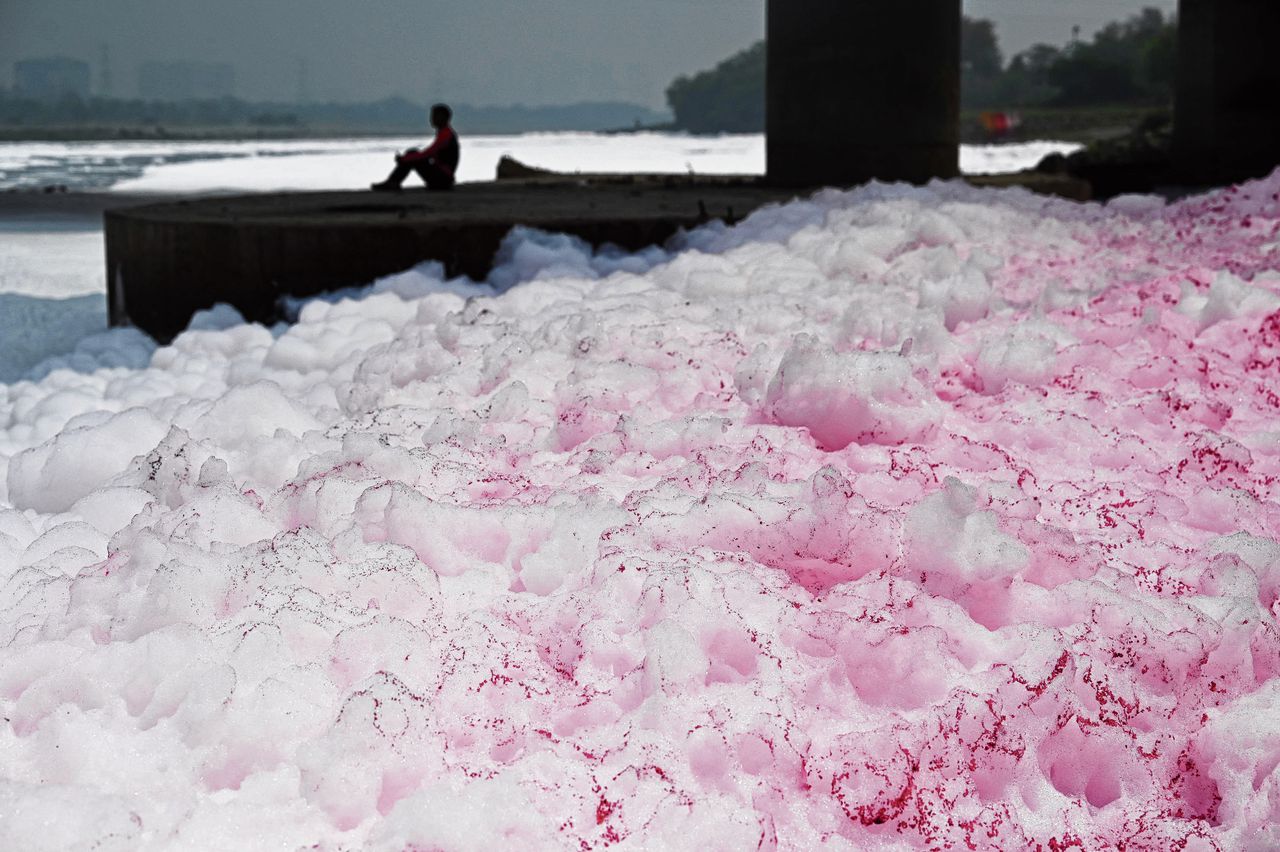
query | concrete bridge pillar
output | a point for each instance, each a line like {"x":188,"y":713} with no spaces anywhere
{"x":1227,"y":114}
{"x":862,"y":89}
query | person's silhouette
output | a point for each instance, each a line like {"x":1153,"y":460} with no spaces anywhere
{"x":437,"y":163}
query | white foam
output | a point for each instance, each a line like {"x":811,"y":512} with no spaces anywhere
{"x":900,"y":517}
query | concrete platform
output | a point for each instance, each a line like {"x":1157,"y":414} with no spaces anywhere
{"x":167,"y":261}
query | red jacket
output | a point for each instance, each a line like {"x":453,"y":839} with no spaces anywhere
{"x":444,"y":151}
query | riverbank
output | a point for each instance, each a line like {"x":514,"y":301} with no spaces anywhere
{"x":1078,"y":124}
{"x":157,"y":133}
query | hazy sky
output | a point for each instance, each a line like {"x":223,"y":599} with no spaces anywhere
{"x":477,"y":51}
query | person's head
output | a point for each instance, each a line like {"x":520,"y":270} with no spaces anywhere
{"x":441,"y":115}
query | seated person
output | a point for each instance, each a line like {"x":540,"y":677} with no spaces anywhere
{"x":437,"y":163}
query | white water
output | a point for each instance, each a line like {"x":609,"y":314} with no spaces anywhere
{"x":256,"y":166}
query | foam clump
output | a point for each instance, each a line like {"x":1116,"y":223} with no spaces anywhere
{"x":902,"y":518}
{"x":849,"y":397}
{"x":80,"y":459}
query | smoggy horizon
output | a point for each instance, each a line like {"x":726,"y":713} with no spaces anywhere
{"x":483,"y":53}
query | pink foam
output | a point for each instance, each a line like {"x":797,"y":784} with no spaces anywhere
{"x":900,"y":518}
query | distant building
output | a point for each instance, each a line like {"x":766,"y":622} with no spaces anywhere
{"x":183,"y":81}
{"x":51,"y":78}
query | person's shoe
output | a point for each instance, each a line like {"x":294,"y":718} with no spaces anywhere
{"x":384,"y":186}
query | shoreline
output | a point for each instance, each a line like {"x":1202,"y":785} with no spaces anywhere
{"x":107,"y":134}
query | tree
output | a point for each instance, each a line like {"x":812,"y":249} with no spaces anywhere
{"x":979,"y":48}
{"x":1036,"y":60}
{"x":727,"y":99}
{"x":1083,"y":78}
{"x":1128,"y":61}
{"x":1160,"y":60}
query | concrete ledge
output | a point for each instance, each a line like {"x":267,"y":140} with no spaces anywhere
{"x":167,"y":261}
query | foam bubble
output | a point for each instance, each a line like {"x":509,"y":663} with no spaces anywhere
{"x":901,"y":517}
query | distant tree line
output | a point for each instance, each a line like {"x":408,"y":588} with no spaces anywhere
{"x":392,"y":115}
{"x":727,"y":99}
{"x":1128,"y":63}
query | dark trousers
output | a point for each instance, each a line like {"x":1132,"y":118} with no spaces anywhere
{"x":432,"y":175}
